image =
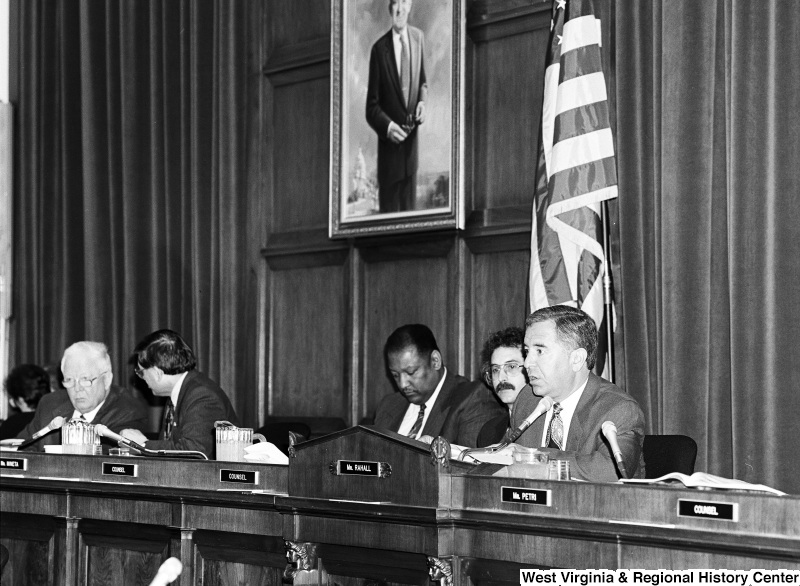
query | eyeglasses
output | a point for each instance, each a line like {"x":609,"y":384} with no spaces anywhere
{"x":510,"y":368}
{"x":84,"y":381}
{"x":139,"y":371}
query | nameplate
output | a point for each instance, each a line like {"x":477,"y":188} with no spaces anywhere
{"x":708,"y":510}
{"x":116,"y":469}
{"x":14,"y":463}
{"x":239,"y":476}
{"x":360,"y":468}
{"x":525,"y":496}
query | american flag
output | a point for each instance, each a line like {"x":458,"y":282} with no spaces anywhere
{"x":576,"y":171}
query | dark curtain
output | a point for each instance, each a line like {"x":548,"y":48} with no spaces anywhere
{"x":708,"y":95}
{"x":132,"y":208}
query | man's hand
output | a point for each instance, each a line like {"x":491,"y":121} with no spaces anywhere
{"x":396,"y":134}
{"x":420,"y":115}
{"x":134,"y":435}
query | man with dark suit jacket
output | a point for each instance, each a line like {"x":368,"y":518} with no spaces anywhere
{"x":561,"y":346}
{"x":88,"y":394}
{"x":167,"y":364}
{"x":431,"y":401}
{"x":396,"y":93}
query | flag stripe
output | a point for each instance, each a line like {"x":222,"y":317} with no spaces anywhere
{"x":578,"y":150}
{"x":584,"y":179}
{"x":579,"y":120}
{"x":580,"y":91}
{"x":579,"y":62}
{"x":580,"y":32}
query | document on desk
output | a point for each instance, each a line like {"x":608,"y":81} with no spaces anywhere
{"x":704,"y":480}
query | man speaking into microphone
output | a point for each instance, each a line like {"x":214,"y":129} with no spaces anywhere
{"x":561,"y":348}
{"x":88,"y":394}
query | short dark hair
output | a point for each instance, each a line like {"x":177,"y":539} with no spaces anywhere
{"x":411,"y":336}
{"x":513,"y":337}
{"x":28,"y":382}
{"x":166,"y":350}
{"x":574,"y":328}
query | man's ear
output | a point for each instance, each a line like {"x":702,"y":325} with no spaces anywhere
{"x":436,"y":360}
{"x":107,"y":378}
{"x":577,"y":358}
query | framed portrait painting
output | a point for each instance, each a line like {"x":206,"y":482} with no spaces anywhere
{"x":397,"y":114}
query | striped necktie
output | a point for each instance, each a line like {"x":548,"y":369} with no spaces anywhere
{"x":555,"y":433}
{"x":169,"y":420}
{"x":418,"y":423}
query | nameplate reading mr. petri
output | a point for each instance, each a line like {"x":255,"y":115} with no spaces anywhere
{"x":360,"y":468}
{"x":525,"y":496}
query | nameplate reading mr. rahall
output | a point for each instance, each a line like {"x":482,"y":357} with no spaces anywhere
{"x":347,"y":467}
{"x":525,"y":496}
{"x":14,"y":463}
{"x":117,"y":469}
{"x":239,"y":476}
{"x":708,"y":510}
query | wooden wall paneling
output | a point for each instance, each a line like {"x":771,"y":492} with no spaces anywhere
{"x":500,"y":283}
{"x":296,"y":21}
{"x":225,"y":559}
{"x":308,"y":340}
{"x":33,"y":551}
{"x":508,"y":77}
{"x":408,"y":279}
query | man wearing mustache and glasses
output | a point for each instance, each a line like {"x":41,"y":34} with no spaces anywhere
{"x":504,"y":371}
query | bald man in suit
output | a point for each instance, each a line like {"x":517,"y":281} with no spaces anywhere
{"x":396,"y":93}
{"x":431,"y":400}
{"x":88,"y":394}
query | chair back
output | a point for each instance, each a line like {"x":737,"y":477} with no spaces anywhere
{"x":669,"y":453}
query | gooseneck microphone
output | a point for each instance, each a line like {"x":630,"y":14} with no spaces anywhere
{"x":512,"y":435}
{"x":168,"y":572}
{"x":57,"y":422}
{"x":542,"y":408}
{"x":105,"y":432}
{"x":610,"y":431}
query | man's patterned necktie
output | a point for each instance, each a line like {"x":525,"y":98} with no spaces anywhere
{"x":555,"y":433}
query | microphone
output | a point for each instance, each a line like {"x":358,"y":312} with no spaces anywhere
{"x":57,"y":422}
{"x":512,"y":435}
{"x":168,"y":572}
{"x":542,"y":408}
{"x":105,"y":432}
{"x":610,"y":431}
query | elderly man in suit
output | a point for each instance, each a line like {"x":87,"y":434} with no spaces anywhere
{"x":561,"y":348}
{"x":396,"y":93}
{"x":431,"y":401}
{"x":88,"y":395}
{"x":167,"y":364}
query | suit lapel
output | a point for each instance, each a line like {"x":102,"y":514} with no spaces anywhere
{"x":390,"y":64}
{"x":577,"y":432}
{"x":441,"y":408}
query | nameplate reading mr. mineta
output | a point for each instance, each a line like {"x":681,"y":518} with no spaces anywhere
{"x":239,"y":476}
{"x":14,"y":463}
{"x":117,"y":469}
{"x":708,"y":510}
{"x":359,"y":468}
{"x":525,"y":496}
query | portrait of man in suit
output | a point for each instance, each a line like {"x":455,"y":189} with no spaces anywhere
{"x":396,"y":94}
{"x":394,"y":118}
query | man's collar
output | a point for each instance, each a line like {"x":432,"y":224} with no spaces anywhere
{"x":176,"y":388}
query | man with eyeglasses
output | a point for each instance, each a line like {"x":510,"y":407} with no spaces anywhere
{"x":88,"y":395}
{"x":503,"y":370}
{"x":431,"y":401}
{"x":168,"y":366}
